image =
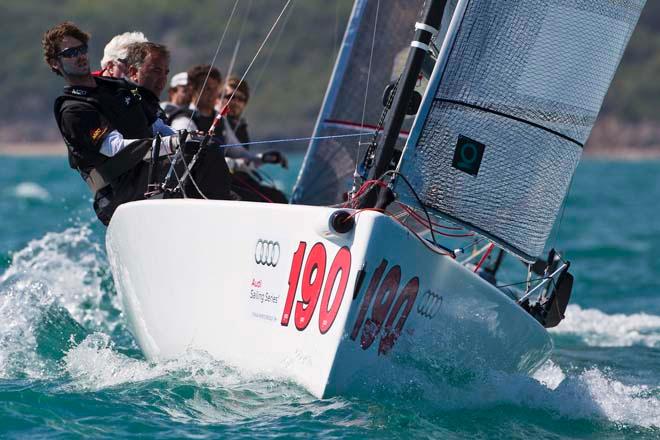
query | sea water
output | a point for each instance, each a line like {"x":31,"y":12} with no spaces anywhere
{"x":70,"y":368}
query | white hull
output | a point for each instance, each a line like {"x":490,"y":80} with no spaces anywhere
{"x":192,"y":275}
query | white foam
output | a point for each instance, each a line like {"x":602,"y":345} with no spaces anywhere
{"x":594,"y":394}
{"x":550,"y":375}
{"x":95,"y":365}
{"x":599,"y":329}
{"x":21,"y":305}
{"x":219,"y":393}
{"x":589,"y":394}
{"x":64,"y":268}
{"x":31,"y":190}
{"x":71,"y":264}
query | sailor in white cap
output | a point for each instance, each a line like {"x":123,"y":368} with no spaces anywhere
{"x":178,"y":94}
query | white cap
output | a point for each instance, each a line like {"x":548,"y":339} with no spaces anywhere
{"x":180,"y":79}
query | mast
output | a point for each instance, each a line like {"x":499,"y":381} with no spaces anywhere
{"x":419,"y":48}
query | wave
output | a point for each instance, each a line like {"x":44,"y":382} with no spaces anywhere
{"x":599,"y":329}
{"x":30,"y":190}
{"x":60,"y":321}
{"x":53,"y":290}
{"x":194,"y":387}
{"x":591,"y":393}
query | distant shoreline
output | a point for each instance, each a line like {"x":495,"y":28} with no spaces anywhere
{"x":628,"y":153}
{"x":28,"y":149}
{"x":37,"y":149}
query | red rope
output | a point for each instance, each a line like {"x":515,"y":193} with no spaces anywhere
{"x":250,"y":187}
{"x":424,"y":222}
{"x":389,"y":214}
{"x":485,"y":255}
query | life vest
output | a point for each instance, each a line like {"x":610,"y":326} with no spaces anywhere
{"x":120,"y":104}
{"x":203,"y":123}
{"x":121,"y":107}
{"x":169,"y":109}
{"x":151,"y":106}
{"x":239,"y":127}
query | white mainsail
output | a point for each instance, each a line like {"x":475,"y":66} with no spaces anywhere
{"x":385,"y":28}
{"x":511,"y":102}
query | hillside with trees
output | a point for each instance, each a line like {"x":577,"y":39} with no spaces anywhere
{"x":289,"y":76}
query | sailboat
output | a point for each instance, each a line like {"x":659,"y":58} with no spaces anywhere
{"x":340,"y":292}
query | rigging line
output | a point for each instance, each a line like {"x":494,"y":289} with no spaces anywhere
{"x":188,"y":174}
{"x":561,"y":218}
{"x":190,"y":120}
{"x":247,"y":14}
{"x":428,"y":216}
{"x":180,"y":183}
{"x":522,"y":282}
{"x":257,"y":83}
{"x":215,"y":57}
{"x":473,"y":243}
{"x":484,"y":257}
{"x":279,"y":141}
{"x":237,"y":46}
{"x":257,"y":54}
{"x":231,"y":67}
{"x":433,"y":247}
{"x":366,"y":91}
{"x":232,"y":62}
{"x":335,"y":41}
{"x":219,"y":115}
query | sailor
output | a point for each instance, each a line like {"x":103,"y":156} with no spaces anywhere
{"x":178,"y":94}
{"x":113,"y":63}
{"x":107,"y":131}
{"x":239,"y":92}
{"x":247,"y":182}
{"x":148,"y":66}
{"x":204,"y":82}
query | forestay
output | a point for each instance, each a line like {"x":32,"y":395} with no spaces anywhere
{"x":511,"y":102}
{"x":327,"y":171}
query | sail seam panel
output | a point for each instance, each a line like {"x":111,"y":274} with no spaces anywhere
{"x":515,"y":118}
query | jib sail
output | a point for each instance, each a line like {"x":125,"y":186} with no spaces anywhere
{"x":386,"y":27}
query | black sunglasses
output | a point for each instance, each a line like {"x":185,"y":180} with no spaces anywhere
{"x":237,"y":97}
{"x":73,"y":51}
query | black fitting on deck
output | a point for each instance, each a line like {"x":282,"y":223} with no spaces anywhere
{"x":342,"y":222}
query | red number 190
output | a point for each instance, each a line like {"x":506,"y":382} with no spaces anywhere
{"x":313,"y":279}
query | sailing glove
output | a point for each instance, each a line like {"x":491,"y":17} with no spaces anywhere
{"x":190,"y":142}
{"x":274,"y":157}
{"x":169,"y":144}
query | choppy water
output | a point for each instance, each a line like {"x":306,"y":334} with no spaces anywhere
{"x":70,"y":368}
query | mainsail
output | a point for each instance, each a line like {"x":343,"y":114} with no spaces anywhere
{"x":510,"y":105}
{"x":386,"y":28}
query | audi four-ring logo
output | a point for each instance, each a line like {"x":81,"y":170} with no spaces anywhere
{"x":267,"y":252}
{"x":429,"y":304}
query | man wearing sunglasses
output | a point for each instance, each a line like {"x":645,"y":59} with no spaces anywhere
{"x":108,"y":132}
{"x":247,"y":181}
